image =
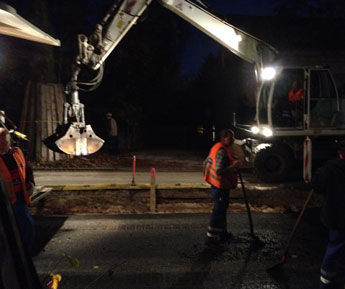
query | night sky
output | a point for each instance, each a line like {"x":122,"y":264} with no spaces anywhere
{"x":192,"y":61}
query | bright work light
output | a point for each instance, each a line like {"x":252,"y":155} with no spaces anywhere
{"x":268,"y":73}
{"x":255,"y":129}
{"x":267,"y":132}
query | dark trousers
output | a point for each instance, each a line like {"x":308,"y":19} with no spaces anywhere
{"x":218,"y":222}
{"x":24,"y":222}
{"x":112,"y":144}
{"x":335,"y":252}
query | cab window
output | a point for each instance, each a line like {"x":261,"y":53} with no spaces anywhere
{"x":323,"y":99}
{"x":288,"y":99}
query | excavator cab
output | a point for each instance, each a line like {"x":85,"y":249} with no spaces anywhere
{"x":297,"y":107}
{"x":298,"y":101}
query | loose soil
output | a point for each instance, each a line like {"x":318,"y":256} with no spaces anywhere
{"x":164,"y":160}
{"x":262,"y":197}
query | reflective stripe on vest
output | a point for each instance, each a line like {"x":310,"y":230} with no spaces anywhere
{"x":7,"y":178}
{"x":210,"y":175}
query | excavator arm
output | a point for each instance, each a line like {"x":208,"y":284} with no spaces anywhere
{"x":77,"y":137}
{"x":74,"y":137}
{"x":94,"y":50}
{"x":244,"y":45}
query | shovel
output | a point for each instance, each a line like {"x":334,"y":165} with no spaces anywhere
{"x":256,"y":239}
{"x":287,"y":246}
{"x":247,"y":205}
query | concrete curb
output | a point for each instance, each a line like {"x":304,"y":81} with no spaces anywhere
{"x":143,"y":186}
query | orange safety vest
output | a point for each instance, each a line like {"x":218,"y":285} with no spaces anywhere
{"x":295,"y":95}
{"x":7,"y":178}
{"x":210,"y":176}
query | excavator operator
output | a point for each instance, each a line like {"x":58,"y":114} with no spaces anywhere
{"x":296,"y":102}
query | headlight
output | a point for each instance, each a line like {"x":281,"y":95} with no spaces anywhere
{"x":255,"y":129}
{"x":268,"y":73}
{"x":267,"y":132}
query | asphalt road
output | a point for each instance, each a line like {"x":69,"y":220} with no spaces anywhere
{"x":166,"y":251}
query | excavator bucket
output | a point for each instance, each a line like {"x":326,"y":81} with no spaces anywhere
{"x":79,"y":141}
{"x":74,"y":140}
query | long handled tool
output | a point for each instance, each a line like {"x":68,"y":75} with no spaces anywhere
{"x":247,"y":205}
{"x":287,"y":246}
{"x":258,"y":243}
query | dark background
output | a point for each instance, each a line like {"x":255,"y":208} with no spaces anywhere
{"x":163,"y":81}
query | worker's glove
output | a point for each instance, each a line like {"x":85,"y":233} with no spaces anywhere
{"x":30,"y":187}
{"x":233,"y":167}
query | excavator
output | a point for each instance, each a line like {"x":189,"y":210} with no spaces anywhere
{"x":74,"y":137}
{"x":284,"y":126}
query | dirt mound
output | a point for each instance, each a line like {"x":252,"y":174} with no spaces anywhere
{"x":143,"y":160}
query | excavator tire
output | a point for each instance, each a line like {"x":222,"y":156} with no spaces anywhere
{"x":273,"y":164}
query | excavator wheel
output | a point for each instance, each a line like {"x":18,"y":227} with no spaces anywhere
{"x":274,"y":163}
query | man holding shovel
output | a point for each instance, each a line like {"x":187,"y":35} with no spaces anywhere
{"x":220,"y":170}
{"x":330,"y":181}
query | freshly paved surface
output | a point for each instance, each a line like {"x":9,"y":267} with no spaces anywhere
{"x":166,"y":251}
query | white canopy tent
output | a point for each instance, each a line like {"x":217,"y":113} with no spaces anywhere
{"x":14,"y":25}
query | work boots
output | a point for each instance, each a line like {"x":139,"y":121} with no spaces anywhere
{"x":219,"y":239}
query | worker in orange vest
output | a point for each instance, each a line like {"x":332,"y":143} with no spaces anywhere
{"x":296,"y":102}
{"x":18,"y":179}
{"x":220,"y":171}
{"x":295,"y":93}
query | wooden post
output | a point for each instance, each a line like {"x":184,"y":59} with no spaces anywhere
{"x":59,"y":104}
{"x":38,"y":119}
{"x":49,"y":97}
{"x":53,"y":123}
{"x":44,"y":122}
{"x":153,"y":201}
{"x":23,"y":122}
{"x":134,"y":168}
{"x":60,"y":101}
{"x":32,"y":122}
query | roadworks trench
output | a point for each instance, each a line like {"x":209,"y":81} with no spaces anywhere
{"x":138,"y":200}
{"x":170,"y":198}
{"x":305,"y":254}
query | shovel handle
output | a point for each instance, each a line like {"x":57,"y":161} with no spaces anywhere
{"x":296,"y":225}
{"x":247,"y":204}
